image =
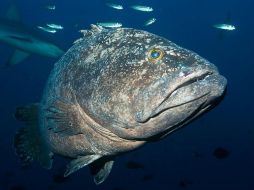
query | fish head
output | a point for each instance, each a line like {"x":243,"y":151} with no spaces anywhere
{"x":152,"y":86}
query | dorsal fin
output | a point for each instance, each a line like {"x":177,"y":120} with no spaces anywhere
{"x":12,"y":13}
{"x":17,"y":57}
{"x":86,"y":33}
{"x":94,"y":30}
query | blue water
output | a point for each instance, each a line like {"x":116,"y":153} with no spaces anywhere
{"x":183,"y":160}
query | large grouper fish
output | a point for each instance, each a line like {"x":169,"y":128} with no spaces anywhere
{"x":113,"y":91}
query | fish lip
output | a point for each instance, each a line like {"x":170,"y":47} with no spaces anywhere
{"x":194,"y":79}
{"x":203,"y":106}
{"x":199,"y":111}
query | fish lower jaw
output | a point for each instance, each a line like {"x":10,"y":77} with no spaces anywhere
{"x":182,"y":97}
{"x":185,"y":83}
{"x":169,"y":120}
{"x":202,"y":109}
{"x":187,"y":92}
{"x":199,"y":93}
{"x":167,"y":106}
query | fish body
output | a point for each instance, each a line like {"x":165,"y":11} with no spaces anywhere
{"x":25,"y":40}
{"x":55,"y":26}
{"x":142,"y":8}
{"x":113,"y":91}
{"x":150,"y":21}
{"x":47,"y":29}
{"x":51,"y":7}
{"x":110,"y":24}
{"x":225,"y":27}
{"x":115,"y":6}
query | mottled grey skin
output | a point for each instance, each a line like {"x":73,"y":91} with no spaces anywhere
{"x":105,"y":97}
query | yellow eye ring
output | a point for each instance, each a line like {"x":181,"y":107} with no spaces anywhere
{"x":155,"y":54}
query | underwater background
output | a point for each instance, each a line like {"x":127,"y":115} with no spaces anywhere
{"x":215,"y":152}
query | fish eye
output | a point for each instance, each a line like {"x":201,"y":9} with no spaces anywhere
{"x":155,"y":54}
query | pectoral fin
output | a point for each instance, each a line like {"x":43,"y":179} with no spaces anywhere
{"x":101,"y":169}
{"x":17,"y":57}
{"x":28,"y":143}
{"x":79,"y":163}
{"x":64,"y":117}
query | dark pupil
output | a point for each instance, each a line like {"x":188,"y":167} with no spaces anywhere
{"x":155,"y":54}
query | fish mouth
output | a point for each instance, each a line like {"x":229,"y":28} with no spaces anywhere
{"x":185,"y":102}
{"x":203,"y":108}
{"x":164,"y":105}
{"x":193,"y":80}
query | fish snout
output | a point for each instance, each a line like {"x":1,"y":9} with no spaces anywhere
{"x":217,"y":85}
{"x":212,"y":83}
{"x":194,"y":91}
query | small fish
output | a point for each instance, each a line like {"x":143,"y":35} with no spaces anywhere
{"x":225,"y":27}
{"x":150,"y":21}
{"x":55,"y":26}
{"x":142,"y":8}
{"x":184,"y":183}
{"x":47,"y":29}
{"x":51,"y":7}
{"x":115,"y":6}
{"x":221,"y":153}
{"x":110,"y":24}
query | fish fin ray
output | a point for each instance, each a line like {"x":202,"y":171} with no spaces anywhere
{"x":101,"y":169}
{"x":79,"y":163}
{"x":64,"y":117}
{"x":94,"y":30}
{"x":27,"y":142}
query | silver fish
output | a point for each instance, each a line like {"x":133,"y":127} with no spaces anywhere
{"x":142,"y":8}
{"x":115,"y":6}
{"x":110,"y":24}
{"x":150,"y":21}
{"x":51,"y":7}
{"x":55,"y":26}
{"x":112,"y":92}
{"x":47,"y":29}
{"x":225,"y":27}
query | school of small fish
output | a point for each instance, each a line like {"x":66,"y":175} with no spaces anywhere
{"x":47,"y":29}
{"x":53,"y":28}
{"x":116,"y":24}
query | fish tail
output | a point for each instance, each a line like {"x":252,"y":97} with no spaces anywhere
{"x":27,"y":142}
